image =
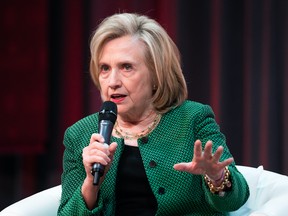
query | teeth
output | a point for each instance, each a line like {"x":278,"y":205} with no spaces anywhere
{"x":116,"y":96}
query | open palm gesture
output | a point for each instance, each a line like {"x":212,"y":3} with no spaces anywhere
{"x":205,"y":162}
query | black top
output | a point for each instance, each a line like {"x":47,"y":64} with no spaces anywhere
{"x":133,"y":193}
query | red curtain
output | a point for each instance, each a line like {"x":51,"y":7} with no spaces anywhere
{"x":235,"y":59}
{"x":23,"y":96}
{"x":24,"y":70}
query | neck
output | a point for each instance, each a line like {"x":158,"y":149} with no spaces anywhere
{"x":137,"y":129}
{"x":130,"y":121}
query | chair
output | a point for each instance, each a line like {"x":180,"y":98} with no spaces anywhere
{"x":268,"y":193}
{"x":44,"y":203}
{"x":268,"y":197}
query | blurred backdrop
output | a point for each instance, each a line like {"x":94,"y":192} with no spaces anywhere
{"x":234,"y":57}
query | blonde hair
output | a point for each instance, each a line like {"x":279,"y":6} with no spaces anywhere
{"x":162,"y":56}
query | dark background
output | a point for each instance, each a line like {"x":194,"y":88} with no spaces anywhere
{"x":234,"y":56}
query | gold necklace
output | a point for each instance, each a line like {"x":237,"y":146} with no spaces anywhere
{"x":130,"y":136}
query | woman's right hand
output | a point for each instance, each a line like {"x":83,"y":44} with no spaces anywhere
{"x":95,"y":152}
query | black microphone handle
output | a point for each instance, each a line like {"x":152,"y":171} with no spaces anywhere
{"x":105,"y":129}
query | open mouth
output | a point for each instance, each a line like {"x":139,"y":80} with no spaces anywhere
{"x":117,"y":96}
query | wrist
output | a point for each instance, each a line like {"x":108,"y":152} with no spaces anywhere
{"x":89,"y":193}
{"x":218,"y":179}
{"x":223,"y":184}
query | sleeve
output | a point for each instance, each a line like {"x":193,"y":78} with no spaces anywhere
{"x":237,"y":195}
{"x":72,"y":202}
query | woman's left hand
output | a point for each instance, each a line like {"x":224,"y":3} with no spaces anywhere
{"x":205,"y":162}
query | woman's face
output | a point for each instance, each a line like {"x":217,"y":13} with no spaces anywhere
{"x":124,"y":77}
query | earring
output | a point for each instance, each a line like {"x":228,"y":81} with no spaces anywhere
{"x":154,"y":87}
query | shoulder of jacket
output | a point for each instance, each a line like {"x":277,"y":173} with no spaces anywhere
{"x":88,"y":123}
{"x":189,"y":106}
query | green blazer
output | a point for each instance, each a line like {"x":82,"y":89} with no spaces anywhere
{"x":171,"y":142}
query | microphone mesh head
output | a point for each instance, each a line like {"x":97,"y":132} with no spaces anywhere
{"x":108,"y":111}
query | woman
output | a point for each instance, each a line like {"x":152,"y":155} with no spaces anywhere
{"x":167,"y":155}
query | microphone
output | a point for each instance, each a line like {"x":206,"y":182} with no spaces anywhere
{"x":107,"y":118}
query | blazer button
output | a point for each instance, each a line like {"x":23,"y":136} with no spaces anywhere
{"x":144,"y":139}
{"x":161,"y":191}
{"x":152,"y":164}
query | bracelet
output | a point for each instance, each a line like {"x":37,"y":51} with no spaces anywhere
{"x":224,"y":184}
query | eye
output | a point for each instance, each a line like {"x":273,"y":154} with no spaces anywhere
{"x":104,"y":68}
{"x":127,"y":67}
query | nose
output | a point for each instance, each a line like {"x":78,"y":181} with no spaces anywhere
{"x":115,"y":79}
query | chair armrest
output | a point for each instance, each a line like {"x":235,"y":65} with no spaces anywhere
{"x":268,"y":193}
{"x":44,"y":203}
